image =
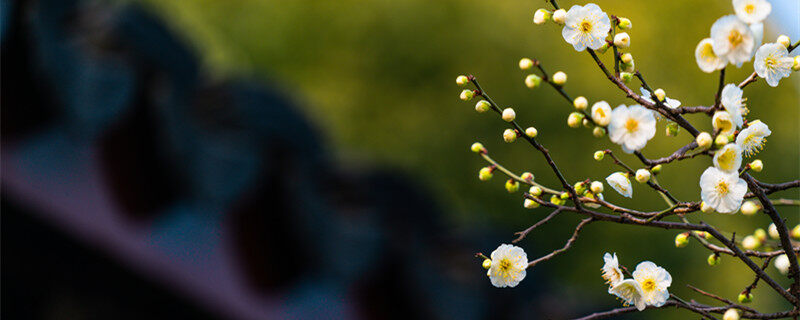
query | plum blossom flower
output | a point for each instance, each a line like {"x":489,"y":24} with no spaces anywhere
{"x":732,"y":39}
{"x":707,"y":60}
{"x":722,"y":191}
{"x":752,"y":138}
{"x":630,"y":291}
{"x":508,"y":266}
{"x":654,"y":281}
{"x":734,"y":103}
{"x":611,"y":272}
{"x":723,"y":122}
{"x":773,"y":63}
{"x":752,"y":11}
{"x":728,"y":158}
{"x":631,"y":127}
{"x":601,"y":113}
{"x":620,"y":183}
{"x":586,"y":26}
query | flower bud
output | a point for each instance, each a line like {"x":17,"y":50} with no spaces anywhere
{"x":466,"y":95}
{"x":784,"y":40}
{"x":731,"y":314}
{"x":624,"y":23}
{"x":672,"y":129}
{"x":795,"y":233}
{"x":626,"y":76}
{"x":681,"y":240}
{"x":530,"y":204}
{"x":580,"y":103}
{"x":749,"y":208}
{"x":656,"y":169}
{"x":773,"y":231}
{"x":477,"y":147}
{"x":660,"y":94}
{"x":564,"y":196}
{"x":721,"y":140}
{"x":541,"y":16}
{"x":750,"y":242}
{"x":535,"y":191}
{"x":526,"y":176}
{"x":642,"y":175}
{"x":796,"y":64}
{"x":745,"y":297}
{"x":462,"y":80}
{"x":579,"y":187}
{"x":760,"y":234}
{"x":531,"y":132}
{"x":626,"y":57}
{"x":782,"y":263}
{"x":560,"y":78}
{"x":703,"y":234}
{"x":554,"y":199}
{"x":598,"y":155}
{"x":599,"y":132}
{"x":512,"y":185}
{"x":757,"y":165}
{"x":704,"y":140}
{"x":603,"y":48}
{"x":596,"y":187}
{"x":482,"y":106}
{"x":713,"y":259}
{"x":509,"y":115}
{"x":560,"y":16}
{"x":485,"y":173}
{"x":629,"y":67}
{"x":532,"y":81}
{"x":622,"y":40}
{"x":525,"y":63}
{"x":487,"y":263}
{"x":705,"y":208}
{"x":509,"y":135}
{"x":574,"y":119}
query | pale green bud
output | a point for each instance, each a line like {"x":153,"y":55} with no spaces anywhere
{"x":626,"y":76}
{"x":509,"y":135}
{"x":541,"y":16}
{"x":749,"y":208}
{"x":760,"y":234}
{"x":757,"y":165}
{"x":626,"y":57}
{"x":525,"y":63}
{"x":485,"y":174}
{"x":751,"y":242}
{"x":535,"y":191}
{"x":599,"y":132}
{"x":487,"y":263}
{"x":596,"y":186}
{"x":721,"y":140}
{"x":482,"y":106}
{"x":656,"y":169}
{"x":531,"y":132}
{"x":598,"y":155}
{"x":745,"y":297}
{"x":713,"y":259}
{"x":672,"y":129}
{"x":579,"y":187}
{"x":681,"y":240}
{"x":512,"y":185}
{"x":532,"y":81}
{"x":477,"y":147}
{"x":564,"y":196}
{"x":796,"y":232}
{"x":466,"y":95}
{"x":462,"y":80}
{"x":574,"y":119}
{"x":530,"y":204}
{"x":624,"y":23}
{"x":527,"y":176}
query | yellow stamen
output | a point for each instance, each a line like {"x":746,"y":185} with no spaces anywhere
{"x":735,"y":37}
{"x":586,"y":26}
{"x":631,"y":125}
{"x":722,"y":188}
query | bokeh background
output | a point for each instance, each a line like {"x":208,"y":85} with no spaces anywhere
{"x":306,"y":159}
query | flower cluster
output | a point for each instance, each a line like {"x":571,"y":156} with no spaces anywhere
{"x":647,"y":288}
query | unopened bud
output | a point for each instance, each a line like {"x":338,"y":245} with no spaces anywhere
{"x":721,"y":140}
{"x":477,"y":147}
{"x":784,"y":40}
{"x":622,"y":40}
{"x":487,"y":263}
{"x":482,"y":106}
{"x":705,"y":208}
{"x":642,"y":175}
{"x":750,"y":242}
{"x":681,"y":240}
{"x":531,"y":132}
{"x":466,"y":95}
{"x":541,"y":16}
{"x":598,"y":155}
{"x":525,"y":63}
{"x":624,"y":23}
{"x":560,"y":78}
{"x":485,"y":174}
{"x":796,"y":64}
{"x":580,"y":103}
{"x":535,"y":191}
{"x":574,"y":119}
{"x":757,"y":165}
{"x":599,"y":132}
{"x":462,"y":80}
{"x":527,"y":176}
{"x":656,"y":169}
{"x":796,"y":232}
{"x":560,"y":16}
{"x":596,"y":187}
{"x":512,"y":185}
{"x":749,"y":208}
{"x":556,"y":200}
{"x":509,"y":115}
{"x":509,"y":135}
{"x":626,"y":76}
{"x":530,"y":204}
{"x":626,"y":58}
{"x":713,"y":259}
{"x":660,"y":94}
{"x":745,"y":297}
{"x":604,"y":48}
{"x":773,"y":231}
{"x":731,"y":314}
{"x":760,"y":234}
{"x":629,"y":67}
{"x":704,"y":140}
{"x":532,"y":81}
{"x":564,"y":196}
{"x":579,"y":187}
{"x":672,"y":129}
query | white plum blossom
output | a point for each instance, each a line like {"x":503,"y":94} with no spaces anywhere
{"x":723,"y":122}
{"x":611,"y":272}
{"x":654,"y":281}
{"x":752,"y":11}
{"x":707,"y":60}
{"x":728,"y":158}
{"x":620,"y":183}
{"x":752,"y":138}
{"x":734,"y":103}
{"x":773,"y":63}
{"x":508,"y":266}
{"x":722,"y":191}
{"x":601,"y":113}
{"x":586,"y":26}
{"x":631,"y":127}
{"x":732,"y":40}
{"x":630,"y":291}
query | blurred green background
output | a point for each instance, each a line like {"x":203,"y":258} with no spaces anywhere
{"x":378,"y":78}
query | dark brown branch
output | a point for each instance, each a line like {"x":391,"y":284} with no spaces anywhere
{"x":566,"y":246}
{"x":755,"y":282}
{"x":677,"y":155}
{"x":521,"y":235}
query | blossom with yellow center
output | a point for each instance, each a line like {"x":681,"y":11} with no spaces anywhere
{"x":508,"y":266}
{"x":752,"y":11}
{"x":773,"y":63}
{"x":723,"y":122}
{"x":601,"y":113}
{"x":654,"y":281}
{"x":734,"y":103}
{"x":631,"y":293}
{"x":728,"y":158}
{"x":722,"y":191}
{"x":631,"y":127}
{"x":752,"y":138}
{"x":732,"y":40}
{"x":611,"y":272}
{"x":586,"y":26}
{"x":707,"y":60}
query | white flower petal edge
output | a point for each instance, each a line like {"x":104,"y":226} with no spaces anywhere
{"x":586,"y":26}
{"x":758,"y":34}
{"x":631,"y":127}
{"x":732,"y":39}
{"x":620,"y":183}
{"x":630,"y":292}
{"x":773,"y":63}
{"x":707,"y":60}
{"x":611,"y":272}
{"x":508,"y":266}
{"x":752,"y":138}
{"x":654,"y":281}
{"x":721,"y":190}
{"x":733,"y":103}
{"x":728,"y":158}
{"x":752,"y":11}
